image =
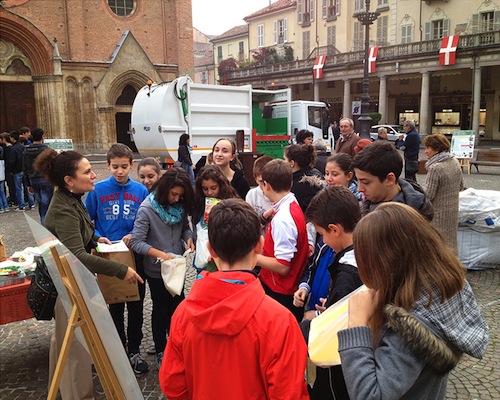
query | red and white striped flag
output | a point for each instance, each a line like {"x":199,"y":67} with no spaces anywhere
{"x":372,"y":59}
{"x":318,"y":67}
{"x":448,"y":51}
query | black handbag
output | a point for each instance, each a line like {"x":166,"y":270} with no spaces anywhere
{"x":42,"y":293}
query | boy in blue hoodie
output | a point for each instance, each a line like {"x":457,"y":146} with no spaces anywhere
{"x":113,"y":207}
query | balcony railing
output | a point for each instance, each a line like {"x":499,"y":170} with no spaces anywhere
{"x":482,"y":40}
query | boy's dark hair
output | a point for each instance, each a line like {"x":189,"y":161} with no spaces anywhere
{"x":119,"y":150}
{"x":334,"y":205}
{"x":379,"y":159}
{"x":302,"y":135}
{"x":15,"y":135}
{"x":23,"y":130}
{"x":233,"y":229}
{"x":304,"y":155}
{"x":37,"y":134}
{"x":278,"y":174}
{"x":259,"y":164}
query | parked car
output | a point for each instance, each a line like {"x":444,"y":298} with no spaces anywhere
{"x":393,"y":132}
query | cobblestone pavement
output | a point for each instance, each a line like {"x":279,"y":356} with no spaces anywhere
{"x":24,"y":345}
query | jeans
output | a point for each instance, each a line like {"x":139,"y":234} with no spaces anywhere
{"x":3,"y":198}
{"x":411,"y":169}
{"x":189,"y":169}
{"x":18,"y":185}
{"x":164,"y":306}
{"x":43,"y":195}
{"x":135,"y":315}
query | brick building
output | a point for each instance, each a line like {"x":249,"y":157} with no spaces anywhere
{"x":73,"y":67}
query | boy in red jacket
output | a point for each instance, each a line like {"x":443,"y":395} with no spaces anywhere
{"x":228,"y":340}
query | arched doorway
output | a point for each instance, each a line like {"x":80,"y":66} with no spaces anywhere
{"x":123,"y":114}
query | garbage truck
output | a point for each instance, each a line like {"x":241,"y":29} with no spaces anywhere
{"x":259,"y":120}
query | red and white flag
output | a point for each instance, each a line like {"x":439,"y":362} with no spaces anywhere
{"x":318,"y":67}
{"x":448,"y":51}
{"x":372,"y":59}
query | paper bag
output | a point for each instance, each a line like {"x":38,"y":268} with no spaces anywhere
{"x":323,"y":341}
{"x":3,"y":253}
{"x":116,"y":290}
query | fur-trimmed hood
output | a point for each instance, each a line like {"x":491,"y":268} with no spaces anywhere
{"x":441,"y":333}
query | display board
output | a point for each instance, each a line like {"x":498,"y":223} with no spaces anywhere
{"x":462,"y":144}
{"x":99,"y":332}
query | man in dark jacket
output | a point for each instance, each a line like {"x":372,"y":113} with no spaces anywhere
{"x":14,"y":166}
{"x":378,"y":168}
{"x":411,"y":147}
{"x":37,"y":185}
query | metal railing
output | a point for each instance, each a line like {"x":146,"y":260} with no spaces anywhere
{"x":466,"y":42}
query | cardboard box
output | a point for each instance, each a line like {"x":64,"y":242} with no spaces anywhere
{"x":3,"y":252}
{"x":117,"y":290}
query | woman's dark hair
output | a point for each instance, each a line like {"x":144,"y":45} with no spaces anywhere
{"x":183,"y":140}
{"x":170,"y":179}
{"x":302,"y":135}
{"x":55,"y":167}
{"x":303,"y":154}
{"x":226,"y":191}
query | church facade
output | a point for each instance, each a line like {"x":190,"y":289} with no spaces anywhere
{"x":73,"y":67}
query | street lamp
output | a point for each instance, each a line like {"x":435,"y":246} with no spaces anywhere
{"x":366,"y":18}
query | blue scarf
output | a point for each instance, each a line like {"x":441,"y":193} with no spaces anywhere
{"x":171,"y":215}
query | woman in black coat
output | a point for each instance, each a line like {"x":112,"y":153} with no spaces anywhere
{"x":184,"y":156}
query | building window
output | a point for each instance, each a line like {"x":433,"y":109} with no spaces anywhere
{"x":306,"y":44}
{"x":487,"y":21}
{"x":260,"y":35}
{"x":359,"y":5}
{"x":122,"y":8}
{"x":437,"y":29}
{"x":280,"y":31}
{"x":305,"y":12}
{"x":331,"y":9}
{"x":204,"y":76}
{"x":382,"y":2}
{"x":241,"y":51}
{"x":330,"y":41}
{"x":435,"y":84}
{"x":406,"y":34}
{"x":382,"y":27}
{"x":358,"y":41}
{"x":127,"y":97}
{"x":219,"y":54}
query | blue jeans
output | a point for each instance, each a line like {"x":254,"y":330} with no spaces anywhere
{"x":189,"y":169}
{"x":3,"y":198}
{"x":43,"y":195}
{"x":18,"y":186}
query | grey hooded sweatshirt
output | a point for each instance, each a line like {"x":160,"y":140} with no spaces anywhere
{"x":416,"y":351}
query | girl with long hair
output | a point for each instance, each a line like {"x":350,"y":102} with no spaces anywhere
{"x":224,"y":155}
{"x":210,"y":183}
{"x":184,"y":156}
{"x":161,"y":230}
{"x":419,"y":315}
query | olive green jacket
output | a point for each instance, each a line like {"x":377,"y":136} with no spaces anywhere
{"x":68,"y":219}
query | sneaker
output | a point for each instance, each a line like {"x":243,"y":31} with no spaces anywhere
{"x":151,"y":349}
{"x":19,"y":209}
{"x":31,"y":207}
{"x":159,"y":359}
{"x":6,"y":210}
{"x":139,"y":364}
{"x":2,"y":210}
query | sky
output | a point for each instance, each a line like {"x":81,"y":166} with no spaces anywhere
{"x":214,"y":17}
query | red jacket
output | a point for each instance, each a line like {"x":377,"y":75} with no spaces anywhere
{"x":228,"y":340}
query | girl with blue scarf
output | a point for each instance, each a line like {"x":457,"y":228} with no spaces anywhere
{"x":161,"y":230}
